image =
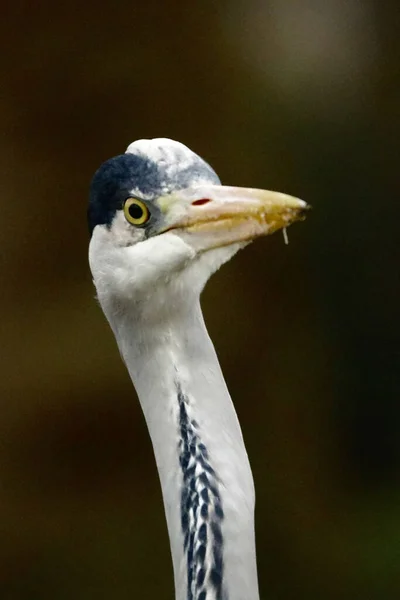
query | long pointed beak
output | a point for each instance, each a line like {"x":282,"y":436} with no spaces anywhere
{"x":216,"y":215}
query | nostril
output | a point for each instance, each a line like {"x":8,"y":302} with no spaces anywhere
{"x":201,"y":201}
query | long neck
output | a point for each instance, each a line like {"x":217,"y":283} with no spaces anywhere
{"x":205,"y":475}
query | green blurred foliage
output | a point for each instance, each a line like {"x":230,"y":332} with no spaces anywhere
{"x":301,"y":97}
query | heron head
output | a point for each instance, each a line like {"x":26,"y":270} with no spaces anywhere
{"x":159,"y":210}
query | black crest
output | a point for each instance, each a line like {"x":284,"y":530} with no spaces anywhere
{"x":114,"y":181}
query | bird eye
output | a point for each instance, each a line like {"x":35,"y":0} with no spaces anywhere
{"x":136,"y":212}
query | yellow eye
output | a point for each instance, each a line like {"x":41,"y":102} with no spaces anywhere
{"x":136,"y":212}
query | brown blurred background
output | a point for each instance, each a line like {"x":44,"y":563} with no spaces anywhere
{"x":297,"y":96}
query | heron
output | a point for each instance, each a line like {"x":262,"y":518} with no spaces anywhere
{"x":161,"y":223}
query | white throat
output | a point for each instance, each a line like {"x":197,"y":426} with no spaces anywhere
{"x":205,"y":476}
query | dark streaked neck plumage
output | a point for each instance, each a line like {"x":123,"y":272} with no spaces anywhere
{"x":201,"y":509}
{"x":205,"y":476}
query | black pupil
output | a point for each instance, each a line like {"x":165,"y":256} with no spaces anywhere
{"x":136,"y":211}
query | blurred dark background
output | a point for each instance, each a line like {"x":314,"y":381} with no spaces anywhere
{"x":297,"y":96}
